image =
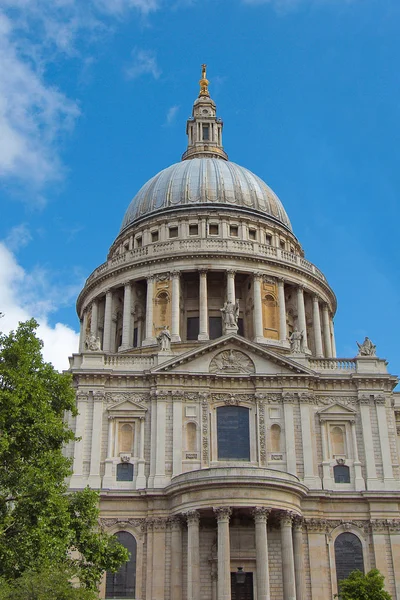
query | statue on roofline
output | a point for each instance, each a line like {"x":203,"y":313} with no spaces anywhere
{"x":367,"y":348}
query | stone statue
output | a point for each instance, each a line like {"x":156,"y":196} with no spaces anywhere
{"x":296,"y":342}
{"x":367,"y":348}
{"x":164,"y":339}
{"x":230,"y":314}
{"x":92,"y":343}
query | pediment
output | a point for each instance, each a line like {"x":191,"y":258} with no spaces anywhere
{"x":125,"y":406}
{"x":338,"y":411}
{"x":233,"y":356}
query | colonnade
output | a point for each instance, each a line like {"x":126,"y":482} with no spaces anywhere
{"x":291,"y":551}
{"x":322,"y":328}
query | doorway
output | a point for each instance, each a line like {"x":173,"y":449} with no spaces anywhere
{"x":242,"y":591}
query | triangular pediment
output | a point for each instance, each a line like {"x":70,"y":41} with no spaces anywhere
{"x":234,"y":356}
{"x":127,"y":406}
{"x":337,"y":410}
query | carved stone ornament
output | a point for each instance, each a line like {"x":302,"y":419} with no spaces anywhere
{"x":139,"y":523}
{"x":157,"y":523}
{"x":92,"y":343}
{"x":232,"y":361}
{"x":344,"y":400}
{"x":367,"y":348}
{"x":289,"y":397}
{"x":260,"y":514}
{"x":163,"y":277}
{"x":308,"y":398}
{"x":380,"y":400}
{"x":204,"y":432}
{"x":317,"y":525}
{"x":175,"y":522}
{"x":192,"y":517}
{"x":125,"y":458}
{"x":286,"y":518}
{"x":223,"y":513}
{"x":298,"y":523}
{"x":232,"y":399}
{"x":263,"y":444}
{"x":341,"y":461}
{"x":115,"y":398}
{"x":82,"y":397}
{"x":98,"y":395}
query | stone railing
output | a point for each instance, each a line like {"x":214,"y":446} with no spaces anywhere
{"x":204,"y":245}
{"x":332,"y":364}
{"x":134,"y":362}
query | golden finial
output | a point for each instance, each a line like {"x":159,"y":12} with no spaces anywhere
{"x":204,"y":82}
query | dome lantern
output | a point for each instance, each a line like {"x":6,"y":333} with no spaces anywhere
{"x":204,"y":128}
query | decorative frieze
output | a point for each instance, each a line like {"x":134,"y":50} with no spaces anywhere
{"x":204,"y":431}
{"x":116,"y":397}
{"x":111,"y":522}
{"x":261,"y":423}
{"x":232,"y":362}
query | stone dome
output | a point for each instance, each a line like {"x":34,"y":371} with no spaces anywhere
{"x":205,"y":181}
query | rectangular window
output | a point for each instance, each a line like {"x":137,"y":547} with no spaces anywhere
{"x":173,"y":232}
{"x":234,"y":230}
{"x":206,"y":133}
{"x":268,"y":239}
{"x":139,"y":242}
{"x":233,"y":433}
{"x":154,"y":236}
{"x":192,"y":328}
{"x":125,"y":472}
{"x":193,"y":230}
{"x":215,"y":327}
{"x":213,"y":229}
{"x":282,"y":244}
{"x":252,"y":234}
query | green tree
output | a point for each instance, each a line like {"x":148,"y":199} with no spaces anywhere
{"x":40,"y":523}
{"x":358,"y":586}
{"x":48,"y":584}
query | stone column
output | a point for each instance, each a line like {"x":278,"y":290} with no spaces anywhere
{"x":260,"y":518}
{"x":299,"y":558}
{"x":317,"y":328}
{"x":159,"y":539}
{"x":176,"y":558}
{"x":149,"y":337}
{"x":358,"y":477}
{"x":230,"y":288}
{"x":370,"y":466}
{"x":327,"y":331}
{"x":95,"y":316}
{"x":81,"y":405}
{"x":282,"y":310}
{"x":224,"y":553}
{"x":127,"y":341}
{"x":193,"y":555}
{"x":177,"y":398}
{"x":203,"y":306}
{"x":301,"y":315}
{"x":258,"y":316}
{"x":159,"y":477}
{"x":327,"y":481}
{"x":307,"y":438}
{"x":94,"y":480}
{"x":390,"y":483}
{"x":288,"y":401}
{"x":149,"y":558}
{"x":108,"y":321}
{"x":333,"y":342}
{"x":141,"y":478}
{"x":81,"y":335}
{"x":175,"y":311}
{"x":288,"y":575}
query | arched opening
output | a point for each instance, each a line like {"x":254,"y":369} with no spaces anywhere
{"x":161,"y":302}
{"x":341,"y":474}
{"x":337,"y":440}
{"x":348,"y":555}
{"x":275,"y":438}
{"x":233,"y":433}
{"x":271,"y":319}
{"x":122,"y":584}
{"x":191,"y":437}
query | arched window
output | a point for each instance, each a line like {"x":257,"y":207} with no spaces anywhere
{"x":233,"y":433}
{"x":126,"y":438}
{"x":348,"y":555}
{"x":337,"y":439}
{"x":275,"y":438}
{"x":341,"y":473}
{"x":191,"y":437}
{"x":122,"y":584}
{"x":162,"y":301}
{"x":124,"y":472}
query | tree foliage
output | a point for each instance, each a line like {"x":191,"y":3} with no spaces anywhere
{"x":40,"y":523}
{"x":47,"y":584}
{"x":358,"y":586}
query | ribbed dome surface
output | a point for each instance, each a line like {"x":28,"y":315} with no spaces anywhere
{"x":205,"y":181}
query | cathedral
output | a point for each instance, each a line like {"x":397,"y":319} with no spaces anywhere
{"x":237,"y":457}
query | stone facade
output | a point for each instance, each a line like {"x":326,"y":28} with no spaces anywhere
{"x":229,"y":445}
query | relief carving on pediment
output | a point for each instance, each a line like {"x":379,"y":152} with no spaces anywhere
{"x":232,"y":362}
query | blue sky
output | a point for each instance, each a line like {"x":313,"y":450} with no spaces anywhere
{"x":94,"y":99}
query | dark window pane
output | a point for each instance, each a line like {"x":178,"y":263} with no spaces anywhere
{"x":240,"y":327}
{"x":135,"y":337}
{"x":215,"y":327}
{"x":348,"y":555}
{"x":125,"y":472}
{"x":341,"y":474}
{"x":192,"y":325}
{"x":206,"y":132}
{"x":123,"y":583}
{"x":233,"y":433}
{"x":242,"y":591}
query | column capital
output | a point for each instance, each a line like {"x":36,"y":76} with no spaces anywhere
{"x":300,"y":288}
{"x":175,"y":522}
{"x":257,"y":276}
{"x":175,"y":274}
{"x":203,"y":271}
{"x":260,"y":514}
{"x":298,"y":523}
{"x":286,"y":518}
{"x":222,"y":513}
{"x":280,"y":281}
{"x":109,"y":292}
{"x":127,"y":284}
{"x":315,"y":298}
{"x":150,"y":278}
{"x":231,"y":272}
{"x":192,"y":517}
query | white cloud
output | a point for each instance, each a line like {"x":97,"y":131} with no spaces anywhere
{"x":144,"y":62}
{"x":18,"y":237}
{"x":171,"y":114}
{"x":35,"y":115}
{"x":285,"y":5}
{"x":24,"y":295}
